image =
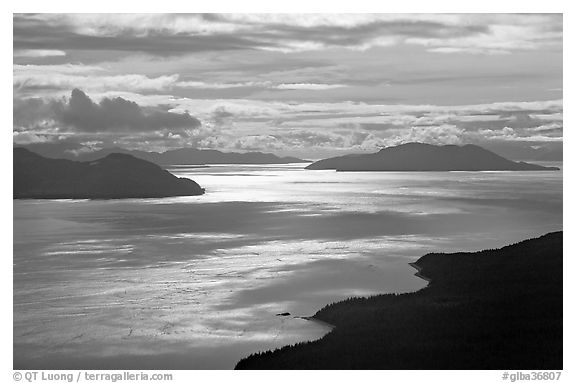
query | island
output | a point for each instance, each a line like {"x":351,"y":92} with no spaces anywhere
{"x":416,"y":156}
{"x":494,"y":309}
{"x":112,"y":177}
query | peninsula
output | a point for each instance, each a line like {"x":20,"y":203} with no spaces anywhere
{"x":494,"y":309}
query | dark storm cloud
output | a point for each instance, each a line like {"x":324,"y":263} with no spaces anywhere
{"x":81,"y":114}
{"x":116,"y":114}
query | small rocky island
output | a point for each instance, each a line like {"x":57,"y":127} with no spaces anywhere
{"x":425,"y":157}
{"x":112,"y":177}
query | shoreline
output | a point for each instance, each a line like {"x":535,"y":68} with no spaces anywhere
{"x":419,"y":274}
{"x":320,"y":322}
{"x":478,"y":314}
{"x":331,"y":326}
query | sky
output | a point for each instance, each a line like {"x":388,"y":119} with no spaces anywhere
{"x":307,"y":85}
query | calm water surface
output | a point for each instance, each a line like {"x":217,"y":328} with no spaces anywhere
{"x":196,"y":282}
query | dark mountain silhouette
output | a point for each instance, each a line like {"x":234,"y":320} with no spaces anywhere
{"x":191,"y":156}
{"x":184,"y":156}
{"x":114,"y":176}
{"x":424,"y":157}
{"x":494,"y":309}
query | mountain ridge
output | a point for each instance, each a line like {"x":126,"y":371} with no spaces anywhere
{"x":181,"y":156}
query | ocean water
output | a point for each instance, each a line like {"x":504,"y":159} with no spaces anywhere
{"x":197,"y":282}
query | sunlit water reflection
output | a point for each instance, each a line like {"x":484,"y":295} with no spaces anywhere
{"x":196,"y":282}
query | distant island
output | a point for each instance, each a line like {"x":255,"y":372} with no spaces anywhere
{"x":183,"y":156}
{"x":425,"y":157}
{"x":494,"y":309}
{"x":114,"y":176}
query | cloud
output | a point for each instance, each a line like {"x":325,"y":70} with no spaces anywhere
{"x":69,"y":76}
{"x":298,"y":124}
{"x":442,"y":134}
{"x":31,"y":112}
{"x":93,"y":24}
{"x":56,"y":69}
{"x":122,"y":32}
{"x":309,"y":86}
{"x":529,"y":134}
{"x":472,"y":50}
{"x":286,"y":82}
{"x":28,"y":138}
{"x":221,"y":116}
{"x":133,"y":82}
{"x":81,"y":114}
{"x":257,"y":84}
{"x":219,"y":85}
{"x":39,"y":53}
{"x":52,"y":79}
{"x":257,"y":142}
{"x":117,"y":114}
{"x":179,"y":33}
{"x":548,"y":128}
{"x":281,"y":127}
{"x":305,"y":140}
{"x":333,"y":113}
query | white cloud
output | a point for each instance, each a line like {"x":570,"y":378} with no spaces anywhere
{"x":94,"y":83}
{"x":221,"y":85}
{"x":472,"y":50}
{"x":259,"y":84}
{"x":257,"y":142}
{"x":90,"y":78}
{"x":113,"y":24}
{"x":309,"y":86}
{"x":548,"y":117}
{"x":311,"y":114}
{"x":48,"y":70}
{"x":38,"y":53}
{"x":26,"y":138}
{"x":442,"y":134}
